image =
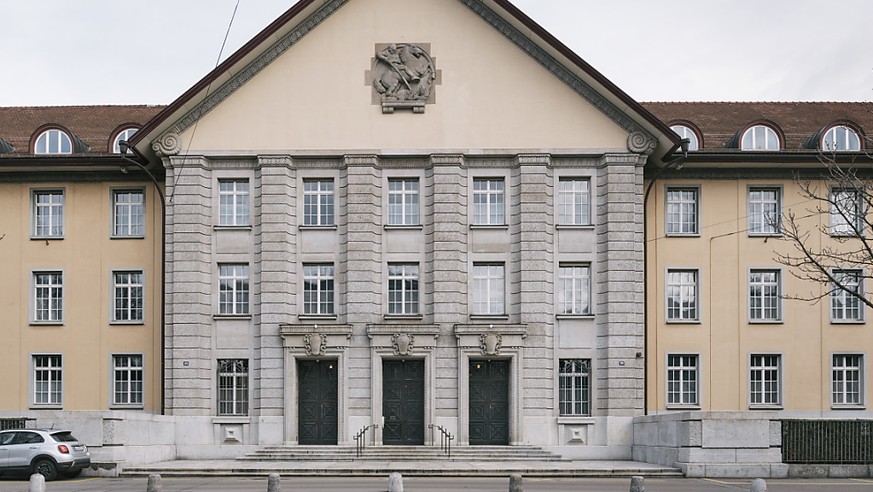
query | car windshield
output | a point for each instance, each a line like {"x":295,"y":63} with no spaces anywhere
{"x":63,"y":437}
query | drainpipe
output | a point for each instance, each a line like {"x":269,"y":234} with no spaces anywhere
{"x":675,"y":163}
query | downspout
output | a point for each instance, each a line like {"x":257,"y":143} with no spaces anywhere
{"x":675,"y":162}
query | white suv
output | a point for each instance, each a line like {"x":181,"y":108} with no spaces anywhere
{"x":47,"y":452}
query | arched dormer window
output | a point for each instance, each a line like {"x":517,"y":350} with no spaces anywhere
{"x":760,"y":137}
{"x":841,"y":138}
{"x":125,"y":134}
{"x":53,"y":141}
{"x":686,"y":132}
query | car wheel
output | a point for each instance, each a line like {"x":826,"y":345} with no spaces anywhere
{"x":73,"y":474}
{"x":46,"y":468}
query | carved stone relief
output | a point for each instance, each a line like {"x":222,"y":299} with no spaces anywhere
{"x":641,"y":143}
{"x":314,"y":344}
{"x":168,"y":144}
{"x":490,"y":343}
{"x":403,"y":343}
{"x":403,"y":76}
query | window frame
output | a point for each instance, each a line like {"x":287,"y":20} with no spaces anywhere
{"x":494,"y":209}
{"x":35,"y":297}
{"x":697,"y":393}
{"x":319,"y":291}
{"x":847,"y":229}
{"x":63,"y":137}
{"x":861,"y":318}
{"x":323,"y":199}
{"x":238,"y":389}
{"x":696,"y":205}
{"x":765,"y":232}
{"x":114,"y":285}
{"x":762,"y":370}
{"x":405,"y":293}
{"x":860,"y":369}
{"x":584,"y":280}
{"x":489,"y":282}
{"x":689,"y":133}
{"x":51,"y":370}
{"x":126,"y":133}
{"x":850,"y":132}
{"x":580,"y":383}
{"x":767,"y":130}
{"x":697,"y":305}
{"x":35,"y":207}
{"x":240,"y":206}
{"x":132,"y":208}
{"x":240,"y":286}
{"x":779,"y":289}
{"x":129,"y":370}
{"x":410,"y":201}
{"x":570,"y":198}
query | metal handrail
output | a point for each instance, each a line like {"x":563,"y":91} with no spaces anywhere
{"x":361,"y":439}
{"x":446,"y":439}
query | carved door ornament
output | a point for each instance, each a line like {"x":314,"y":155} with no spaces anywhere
{"x":490,"y":343}
{"x":403,"y":75}
{"x":403,"y":343}
{"x":315,"y":344}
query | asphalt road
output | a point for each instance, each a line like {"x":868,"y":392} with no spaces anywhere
{"x":412,"y":484}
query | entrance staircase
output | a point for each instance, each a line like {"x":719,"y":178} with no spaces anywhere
{"x":402,"y":453}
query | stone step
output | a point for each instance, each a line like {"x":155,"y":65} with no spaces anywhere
{"x":400,"y":453}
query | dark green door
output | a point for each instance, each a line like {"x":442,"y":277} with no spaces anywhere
{"x":403,"y":402}
{"x":317,"y":401}
{"x":489,"y":402}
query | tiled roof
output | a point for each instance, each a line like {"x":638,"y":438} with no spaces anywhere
{"x":720,"y":122}
{"x":92,"y":125}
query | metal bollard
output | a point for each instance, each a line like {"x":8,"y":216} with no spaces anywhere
{"x":758,"y":485}
{"x":37,"y":483}
{"x":273,"y":483}
{"x":395,"y":482}
{"x":154,"y":484}
{"x":515,"y":483}
{"x":638,"y":484}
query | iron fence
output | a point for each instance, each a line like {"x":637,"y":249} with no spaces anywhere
{"x":827,"y":441}
{"x":13,"y":423}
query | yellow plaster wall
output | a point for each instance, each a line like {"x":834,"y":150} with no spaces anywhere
{"x":87,"y":257}
{"x":491,"y":95}
{"x":724,"y":338}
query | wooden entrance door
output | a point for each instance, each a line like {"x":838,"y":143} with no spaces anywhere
{"x":489,"y":402}
{"x":403,"y":402}
{"x":317,"y":401}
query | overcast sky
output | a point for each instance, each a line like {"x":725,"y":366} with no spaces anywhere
{"x":59,"y":52}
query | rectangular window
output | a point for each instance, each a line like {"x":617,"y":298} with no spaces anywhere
{"x":682,"y":378}
{"x":127,"y":379}
{"x":846,"y":300}
{"x":765,"y":209}
{"x":765,"y":295}
{"x":682,"y":295}
{"x":318,"y":289}
{"x":233,"y":387}
{"x":574,"y":201}
{"x":402,"y":289}
{"x":318,"y":202}
{"x":846,"y":211}
{"x":48,"y":296}
{"x":488,"y":289}
{"x":682,"y":211}
{"x":488,"y":202}
{"x":48,"y":383}
{"x":765,"y":379}
{"x":48,"y":213}
{"x":574,"y":387}
{"x":128,"y":289}
{"x":848,"y":372}
{"x":233,"y":289}
{"x":128,"y":210}
{"x":403,"y":202}
{"x":233,"y":202}
{"x":575,"y":289}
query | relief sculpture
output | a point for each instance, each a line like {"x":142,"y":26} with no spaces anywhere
{"x":403,"y":76}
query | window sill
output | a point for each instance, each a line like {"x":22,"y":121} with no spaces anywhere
{"x":683,"y":322}
{"x":765,"y":235}
{"x":126,"y":237}
{"x":496,"y":317}
{"x":232,"y":228}
{"x":760,"y":407}
{"x":574,"y":316}
{"x":232,"y":316}
{"x":317,"y":227}
{"x":848,"y":322}
{"x":138,"y":322}
{"x":848,"y":407}
{"x":53,"y":406}
{"x":399,"y":227}
{"x":231,"y":419}
{"x":46,"y":238}
{"x":576,"y":420}
{"x":686,"y":235}
{"x":575,"y":227}
{"x":403,"y":316}
{"x":126,"y":407}
{"x":46,"y":323}
{"x":316,"y":316}
{"x":683,"y":407}
{"x":486,"y":227}
{"x":766,"y":322}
